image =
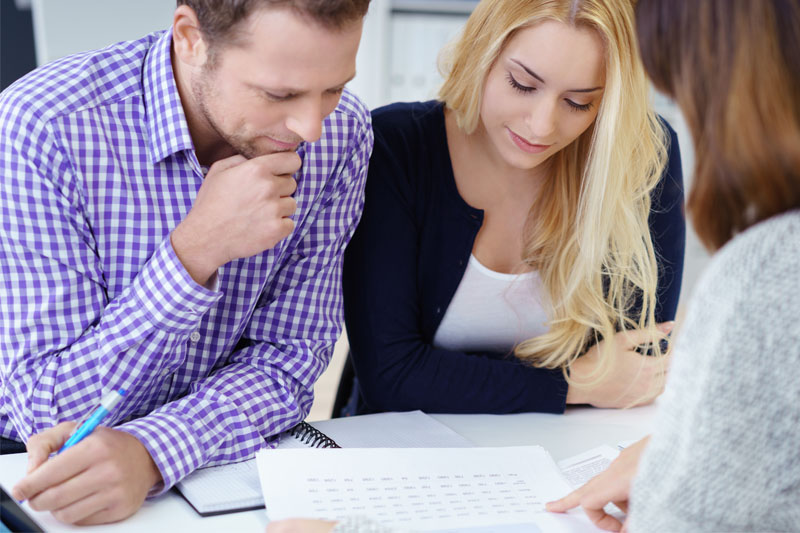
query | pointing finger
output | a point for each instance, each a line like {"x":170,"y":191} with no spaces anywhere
{"x":573,"y":499}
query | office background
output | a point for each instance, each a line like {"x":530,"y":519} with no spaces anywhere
{"x":396,"y":62}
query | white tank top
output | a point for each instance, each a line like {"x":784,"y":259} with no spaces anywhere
{"x":492,"y":311}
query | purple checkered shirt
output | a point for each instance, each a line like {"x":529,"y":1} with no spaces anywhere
{"x":97,"y":168}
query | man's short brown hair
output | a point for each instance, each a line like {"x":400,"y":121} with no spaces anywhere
{"x":220,"y":18}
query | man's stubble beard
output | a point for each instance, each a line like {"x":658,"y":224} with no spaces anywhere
{"x":203,"y":90}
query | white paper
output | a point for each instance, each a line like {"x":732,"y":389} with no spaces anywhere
{"x":412,"y":489}
{"x":413,"y":429}
{"x":581,"y":468}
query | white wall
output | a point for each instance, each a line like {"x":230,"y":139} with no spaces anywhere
{"x":63,"y":27}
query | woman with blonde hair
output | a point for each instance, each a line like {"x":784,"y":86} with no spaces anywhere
{"x":523,"y":236}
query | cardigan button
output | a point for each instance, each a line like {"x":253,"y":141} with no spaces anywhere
{"x":438,"y":310}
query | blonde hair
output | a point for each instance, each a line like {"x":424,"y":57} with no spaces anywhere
{"x":587,"y":234}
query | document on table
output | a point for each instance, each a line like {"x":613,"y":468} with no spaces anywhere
{"x":412,"y":489}
{"x":583,"y":467}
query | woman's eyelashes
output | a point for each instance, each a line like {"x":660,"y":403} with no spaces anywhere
{"x":524,"y":89}
{"x":518,"y":86}
{"x":578,"y":107}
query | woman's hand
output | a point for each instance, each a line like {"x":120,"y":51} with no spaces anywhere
{"x":632,"y":378}
{"x":611,"y":486}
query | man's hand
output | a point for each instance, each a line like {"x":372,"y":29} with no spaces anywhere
{"x":104,"y":478}
{"x":632,"y":379}
{"x":611,"y":486}
{"x":242,"y":209}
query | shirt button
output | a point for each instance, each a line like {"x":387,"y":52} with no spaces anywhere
{"x":195,"y":336}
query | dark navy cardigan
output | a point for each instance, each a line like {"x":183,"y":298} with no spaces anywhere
{"x":407,"y":258}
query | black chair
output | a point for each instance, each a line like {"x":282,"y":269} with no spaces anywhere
{"x":8,"y":446}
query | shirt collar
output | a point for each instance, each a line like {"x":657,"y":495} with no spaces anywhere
{"x":166,"y":122}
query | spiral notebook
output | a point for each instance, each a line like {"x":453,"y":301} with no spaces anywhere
{"x":236,"y":487}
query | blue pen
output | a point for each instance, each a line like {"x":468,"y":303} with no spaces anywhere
{"x":106,"y":405}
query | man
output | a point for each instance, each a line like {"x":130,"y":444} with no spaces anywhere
{"x":173,"y":213}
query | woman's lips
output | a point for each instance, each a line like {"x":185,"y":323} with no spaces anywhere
{"x":525,"y":146}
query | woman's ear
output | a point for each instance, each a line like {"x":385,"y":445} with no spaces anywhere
{"x":189,"y":44}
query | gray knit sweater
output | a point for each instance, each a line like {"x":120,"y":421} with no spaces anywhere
{"x":725,"y":455}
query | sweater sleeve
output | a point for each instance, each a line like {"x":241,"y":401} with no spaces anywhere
{"x":724,"y":455}
{"x":397,"y":368}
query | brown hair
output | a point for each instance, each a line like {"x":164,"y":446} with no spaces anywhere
{"x":220,"y":18}
{"x":733,"y":66}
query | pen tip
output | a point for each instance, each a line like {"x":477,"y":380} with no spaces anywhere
{"x":121,"y":392}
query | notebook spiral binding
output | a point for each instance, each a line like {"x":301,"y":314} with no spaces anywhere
{"x":312,"y":437}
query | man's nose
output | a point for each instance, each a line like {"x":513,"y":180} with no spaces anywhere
{"x":306,"y":120}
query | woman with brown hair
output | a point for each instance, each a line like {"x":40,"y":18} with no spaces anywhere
{"x":725,"y":456}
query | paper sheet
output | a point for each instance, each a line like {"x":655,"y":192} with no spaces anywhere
{"x":412,"y":489}
{"x":583,"y":467}
{"x":413,"y":429}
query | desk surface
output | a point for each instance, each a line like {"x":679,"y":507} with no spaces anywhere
{"x":576,"y":431}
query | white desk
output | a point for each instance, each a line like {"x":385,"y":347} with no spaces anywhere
{"x":562,"y":435}
{"x":576,"y":431}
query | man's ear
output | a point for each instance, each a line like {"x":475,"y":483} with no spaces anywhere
{"x":189,"y":44}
